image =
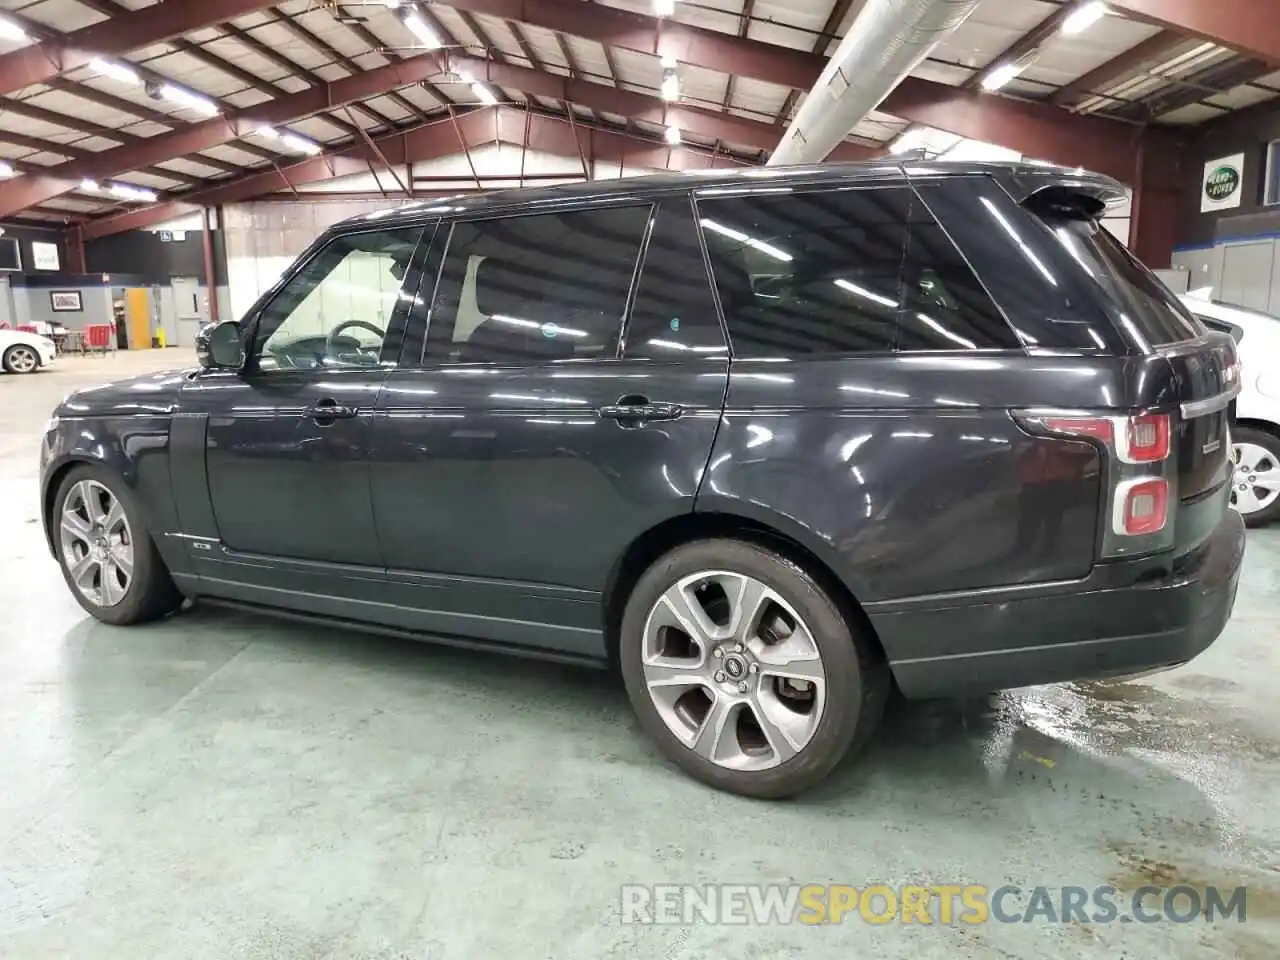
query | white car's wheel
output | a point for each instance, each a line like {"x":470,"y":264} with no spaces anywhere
{"x":1255,"y":485}
{"x":21,"y":358}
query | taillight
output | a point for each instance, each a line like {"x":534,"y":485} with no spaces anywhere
{"x":1141,"y":507}
{"x":1141,"y":474}
{"x":1144,"y":439}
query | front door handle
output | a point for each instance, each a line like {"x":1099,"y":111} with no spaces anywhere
{"x":328,"y":410}
{"x":640,"y":410}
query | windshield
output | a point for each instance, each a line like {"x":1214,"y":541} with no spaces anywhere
{"x":1148,"y":311}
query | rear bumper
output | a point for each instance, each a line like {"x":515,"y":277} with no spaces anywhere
{"x":999,"y":639}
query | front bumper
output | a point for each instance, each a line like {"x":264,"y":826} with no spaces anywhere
{"x":47,"y":355}
{"x":995,"y":640}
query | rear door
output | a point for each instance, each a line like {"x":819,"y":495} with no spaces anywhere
{"x":528,"y":447}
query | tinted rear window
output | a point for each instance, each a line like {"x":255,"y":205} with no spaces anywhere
{"x":840,"y":271}
{"x":1148,"y":311}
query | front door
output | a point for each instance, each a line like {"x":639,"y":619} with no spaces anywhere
{"x":287,"y":439}
{"x":530,"y":447}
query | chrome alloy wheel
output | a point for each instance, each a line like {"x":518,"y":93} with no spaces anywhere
{"x":733,"y":671}
{"x":23,"y":359}
{"x":97,"y":544}
{"x":1255,"y":485}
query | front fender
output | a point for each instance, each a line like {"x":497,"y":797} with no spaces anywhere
{"x":133,"y":449}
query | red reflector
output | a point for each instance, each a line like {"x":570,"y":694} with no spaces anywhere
{"x":1143,"y":507}
{"x":1147,"y":439}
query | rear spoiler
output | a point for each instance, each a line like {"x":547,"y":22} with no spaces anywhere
{"x":1043,"y":186}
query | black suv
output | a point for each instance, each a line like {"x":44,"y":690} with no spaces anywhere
{"x":767,"y":441}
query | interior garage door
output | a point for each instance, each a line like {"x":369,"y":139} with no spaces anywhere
{"x":1246,"y":274}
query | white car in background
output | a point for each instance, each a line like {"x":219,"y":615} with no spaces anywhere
{"x":22,"y":352}
{"x":1255,"y":425}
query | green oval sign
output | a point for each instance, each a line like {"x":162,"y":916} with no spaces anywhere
{"x":1221,"y":183}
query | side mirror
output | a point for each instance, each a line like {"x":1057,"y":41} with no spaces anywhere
{"x":219,"y":346}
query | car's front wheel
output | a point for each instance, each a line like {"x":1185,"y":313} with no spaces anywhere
{"x":744,"y":671}
{"x":21,"y":358}
{"x":1255,"y":485}
{"x":107,"y":557}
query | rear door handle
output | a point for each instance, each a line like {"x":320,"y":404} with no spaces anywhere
{"x":329,"y":410}
{"x":643,"y":411}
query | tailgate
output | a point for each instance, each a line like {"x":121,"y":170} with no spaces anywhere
{"x":1206,"y":376}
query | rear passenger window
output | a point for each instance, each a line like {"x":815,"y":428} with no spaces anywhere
{"x":843,"y":271}
{"x":533,"y":289}
{"x":674,"y":314}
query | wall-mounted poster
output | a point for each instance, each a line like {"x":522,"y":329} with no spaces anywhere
{"x":66,"y":301}
{"x":1223,"y":183}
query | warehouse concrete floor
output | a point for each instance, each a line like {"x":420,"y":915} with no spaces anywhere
{"x":225,"y":786}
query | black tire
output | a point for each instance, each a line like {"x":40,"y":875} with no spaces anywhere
{"x":151,"y":593}
{"x":1271,"y":443}
{"x":856,"y":675}
{"x":11,"y":354}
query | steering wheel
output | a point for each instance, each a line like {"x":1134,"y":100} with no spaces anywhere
{"x":363,"y":324}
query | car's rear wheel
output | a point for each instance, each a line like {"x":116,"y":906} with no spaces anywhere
{"x":21,"y":358}
{"x":1255,"y":485}
{"x":107,"y":557}
{"x":744,"y":671}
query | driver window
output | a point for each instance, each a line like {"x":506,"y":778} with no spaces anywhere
{"x":335,"y":312}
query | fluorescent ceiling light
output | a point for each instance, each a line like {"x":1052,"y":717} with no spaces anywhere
{"x":1084,"y":17}
{"x":664,"y":8}
{"x":865,"y":294}
{"x":484,"y":93}
{"x":90,"y":186}
{"x":186,"y":98}
{"x":1001,"y":75}
{"x":422,"y":30}
{"x":6,"y":169}
{"x":9,"y":30}
{"x":766,"y":248}
{"x":301,"y":144}
{"x":116,"y":71}
{"x":672,"y":136}
{"x":127,"y":191}
{"x":670,"y":86}
{"x":271,"y":133}
{"x":668,"y":61}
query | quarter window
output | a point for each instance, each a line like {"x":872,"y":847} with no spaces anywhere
{"x":536,"y":288}
{"x":843,"y":271}
{"x":674,"y":314}
{"x":335,"y":312}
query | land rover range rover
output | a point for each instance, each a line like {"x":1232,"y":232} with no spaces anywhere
{"x":767,"y":441}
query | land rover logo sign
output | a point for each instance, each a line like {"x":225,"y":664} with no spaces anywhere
{"x":1221,"y":189}
{"x":1222,"y":183}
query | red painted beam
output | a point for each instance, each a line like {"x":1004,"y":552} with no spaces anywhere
{"x":439,"y":138}
{"x":1097,"y":143}
{"x":1048,"y":134}
{"x":700,"y":122}
{"x":41,"y":62}
{"x":23,"y":192}
{"x":1148,"y":52}
{"x":639,"y":32}
{"x":1250,"y":27}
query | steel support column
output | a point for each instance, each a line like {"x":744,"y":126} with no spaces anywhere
{"x":1156,"y":208}
{"x":74,"y":241}
{"x":210,"y":275}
